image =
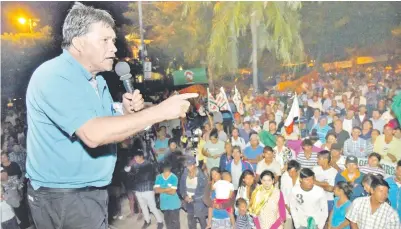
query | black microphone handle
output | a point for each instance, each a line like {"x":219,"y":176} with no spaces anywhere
{"x":128,"y":85}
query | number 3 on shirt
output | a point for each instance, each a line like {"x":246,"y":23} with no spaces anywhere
{"x":300,"y":199}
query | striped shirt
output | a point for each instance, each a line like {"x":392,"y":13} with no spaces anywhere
{"x":385,"y":216}
{"x":244,"y":222}
{"x":356,"y":148}
{"x":373,"y":170}
{"x":305,"y":162}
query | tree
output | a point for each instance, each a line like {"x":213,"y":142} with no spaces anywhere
{"x":198,"y":32}
{"x":21,"y":54}
{"x":275,"y":27}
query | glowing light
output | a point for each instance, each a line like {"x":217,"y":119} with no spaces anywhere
{"x":22,"y":20}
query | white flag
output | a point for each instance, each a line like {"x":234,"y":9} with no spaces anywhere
{"x":292,"y":116}
{"x":238,"y":101}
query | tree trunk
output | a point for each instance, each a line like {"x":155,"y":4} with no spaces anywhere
{"x":210,"y":79}
{"x":254,"y":52}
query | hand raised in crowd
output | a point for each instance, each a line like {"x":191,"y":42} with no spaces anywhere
{"x":176,"y":106}
{"x":133,"y":102}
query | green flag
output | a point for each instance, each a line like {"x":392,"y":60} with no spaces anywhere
{"x":267,"y":138}
{"x":396,"y":107}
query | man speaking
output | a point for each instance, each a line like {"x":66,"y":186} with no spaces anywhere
{"x":73,"y":126}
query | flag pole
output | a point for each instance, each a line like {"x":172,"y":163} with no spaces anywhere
{"x":299,"y":120}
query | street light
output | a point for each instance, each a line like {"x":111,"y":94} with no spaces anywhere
{"x":22,"y":20}
{"x":31,"y":21}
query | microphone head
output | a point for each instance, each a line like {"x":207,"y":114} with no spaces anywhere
{"x":123,"y":70}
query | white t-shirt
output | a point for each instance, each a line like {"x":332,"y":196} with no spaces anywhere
{"x":347,"y":125}
{"x":236,"y":171}
{"x":305,"y":204}
{"x":328,"y":176}
{"x":274,"y":167}
{"x":240,"y":142}
{"x":286,"y":188}
{"x":6,"y":211}
{"x":223,"y":189}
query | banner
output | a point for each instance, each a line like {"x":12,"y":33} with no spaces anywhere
{"x":222,"y":101}
{"x":211,"y":102}
{"x":190,"y":76}
{"x":389,"y":168}
{"x":238,"y":101}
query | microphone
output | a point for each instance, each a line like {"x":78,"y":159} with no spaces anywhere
{"x":123,"y":71}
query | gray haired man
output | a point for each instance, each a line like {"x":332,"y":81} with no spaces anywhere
{"x":74,"y":125}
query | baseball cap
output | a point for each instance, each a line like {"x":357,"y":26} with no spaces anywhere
{"x":190,"y":161}
{"x":351,"y":159}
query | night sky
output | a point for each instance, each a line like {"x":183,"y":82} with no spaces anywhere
{"x":51,"y":13}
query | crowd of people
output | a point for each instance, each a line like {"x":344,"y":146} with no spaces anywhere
{"x":249,"y":171}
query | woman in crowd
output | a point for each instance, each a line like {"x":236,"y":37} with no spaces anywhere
{"x":322,"y":129}
{"x":367,"y":127}
{"x":227,"y":157}
{"x":330,"y":140}
{"x":337,"y":219}
{"x":220,"y":218}
{"x":213,"y":150}
{"x":246,"y":185}
{"x":282,"y":153}
{"x":267,"y":204}
{"x":237,"y":166}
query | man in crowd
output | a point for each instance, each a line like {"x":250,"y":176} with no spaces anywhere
{"x":74,"y":124}
{"x":325,"y":176}
{"x":377,"y":121}
{"x":253,"y":153}
{"x":307,"y":158}
{"x":356,"y":146}
{"x":236,"y":140}
{"x":289,"y":179}
{"x":373,"y":211}
{"x":191,"y":189}
{"x":144,"y":176}
{"x":388,"y":146}
{"x":341,"y":134}
{"x":308,"y":202}
{"x":350,"y":121}
{"x":268,"y":163}
{"x":394,"y":194}
{"x":352,"y":175}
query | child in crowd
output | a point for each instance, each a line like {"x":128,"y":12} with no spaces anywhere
{"x":244,"y":220}
{"x":342,"y":191}
{"x":224,"y":190}
{"x":166,"y":185}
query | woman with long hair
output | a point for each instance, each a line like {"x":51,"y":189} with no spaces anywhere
{"x":246,"y":185}
{"x":267,"y":204}
{"x":218,"y":216}
{"x":337,"y":219}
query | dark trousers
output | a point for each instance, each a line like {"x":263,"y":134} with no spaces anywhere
{"x":22,"y":214}
{"x":10,"y":224}
{"x":115,"y":198}
{"x":228,"y":126}
{"x":192,"y":221}
{"x":172,"y":219}
{"x":66,"y":209}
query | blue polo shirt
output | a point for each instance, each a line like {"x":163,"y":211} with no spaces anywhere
{"x":167,"y":201}
{"x":59,"y":100}
{"x":251,"y":153}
